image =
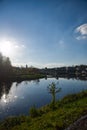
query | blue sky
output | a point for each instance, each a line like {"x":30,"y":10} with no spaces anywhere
{"x":44,"y":32}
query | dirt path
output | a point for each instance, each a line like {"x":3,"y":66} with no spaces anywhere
{"x":80,"y":124}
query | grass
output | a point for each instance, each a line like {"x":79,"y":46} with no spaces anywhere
{"x":66,"y":111}
{"x":25,"y":77}
{"x":22,"y":77}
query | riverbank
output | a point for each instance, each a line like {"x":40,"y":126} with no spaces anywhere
{"x":22,"y":77}
{"x":66,"y":111}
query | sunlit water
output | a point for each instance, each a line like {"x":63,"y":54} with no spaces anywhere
{"x":18,"y":98}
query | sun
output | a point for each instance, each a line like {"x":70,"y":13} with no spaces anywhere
{"x":6,"y":48}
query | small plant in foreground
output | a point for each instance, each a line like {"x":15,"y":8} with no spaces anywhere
{"x":34,"y":112}
{"x":52,"y":89}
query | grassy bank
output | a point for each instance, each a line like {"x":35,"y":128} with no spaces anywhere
{"x":65,"y":113}
{"x":28,"y":77}
{"x":22,"y":77}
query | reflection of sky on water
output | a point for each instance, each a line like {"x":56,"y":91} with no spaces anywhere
{"x":21,"y":96}
{"x":4,"y":98}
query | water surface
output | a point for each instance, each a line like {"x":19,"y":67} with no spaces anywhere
{"x":18,"y":98}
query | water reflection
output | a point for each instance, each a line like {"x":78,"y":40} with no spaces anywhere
{"x":4,"y":98}
{"x":36,"y":81}
{"x":18,"y":97}
{"x":4,"y":89}
{"x":6,"y":86}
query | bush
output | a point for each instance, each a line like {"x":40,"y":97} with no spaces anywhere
{"x":10,"y":122}
{"x":34,"y":112}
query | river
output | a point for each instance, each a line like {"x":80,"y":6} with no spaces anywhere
{"x":18,"y":98}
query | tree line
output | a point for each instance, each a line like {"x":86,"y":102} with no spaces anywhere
{"x":7,"y":71}
{"x":5,"y":66}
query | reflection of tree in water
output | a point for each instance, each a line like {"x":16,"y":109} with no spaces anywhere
{"x":18,"y":82}
{"x":4,"y":88}
{"x":36,"y":81}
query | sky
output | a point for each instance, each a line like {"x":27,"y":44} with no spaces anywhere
{"x":44,"y":33}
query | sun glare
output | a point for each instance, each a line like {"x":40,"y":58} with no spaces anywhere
{"x":11,"y":48}
{"x":6,"y":48}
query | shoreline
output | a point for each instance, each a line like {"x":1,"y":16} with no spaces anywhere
{"x":66,"y":112}
{"x":21,"y":77}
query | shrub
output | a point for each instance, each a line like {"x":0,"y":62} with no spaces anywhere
{"x":34,"y":112}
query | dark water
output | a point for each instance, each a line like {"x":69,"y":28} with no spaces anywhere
{"x":18,"y":98}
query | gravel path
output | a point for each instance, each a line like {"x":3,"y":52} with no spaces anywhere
{"x":80,"y":124}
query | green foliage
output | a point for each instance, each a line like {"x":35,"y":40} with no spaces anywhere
{"x":73,"y":97}
{"x":5,"y":66}
{"x":11,"y":122}
{"x":52,"y":89}
{"x":34,"y":112}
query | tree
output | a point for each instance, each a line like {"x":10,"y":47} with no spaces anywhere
{"x":1,"y":61}
{"x":52,"y":89}
{"x":5,"y":66}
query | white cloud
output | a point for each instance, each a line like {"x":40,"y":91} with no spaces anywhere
{"x":61,"y":43}
{"x":82,"y":30}
{"x":81,"y":37}
{"x":19,"y":46}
